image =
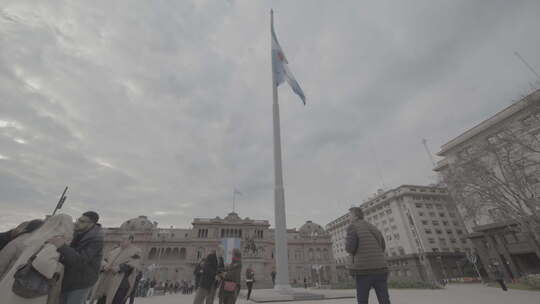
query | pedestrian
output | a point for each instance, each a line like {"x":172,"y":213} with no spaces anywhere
{"x":365,"y":243}
{"x":81,"y":258}
{"x":118,"y":273}
{"x":273,"y":275}
{"x":151,"y":288}
{"x":250,"y":279}
{"x":16,"y":240}
{"x":197,"y":273}
{"x":46,"y":261}
{"x":305,"y":282}
{"x":207,"y":279}
{"x":499,"y":278}
{"x":231,"y":278}
{"x":135,"y":290}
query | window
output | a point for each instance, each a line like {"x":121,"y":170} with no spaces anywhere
{"x":424,"y":222}
{"x":421,"y":213}
{"x":449,"y":231}
{"x":446,"y":249}
{"x":418,"y":205}
{"x":427,"y":231}
{"x":432,"y":214}
{"x":435,"y":249}
{"x":463,"y":241}
{"x":442,"y":241}
{"x":455,"y":223}
{"x":438,"y":231}
{"x":441,"y":214}
{"x":451,"y":214}
{"x":439,"y":206}
{"x":429,"y":206}
{"x":452,"y":240}
{"x":431,"y":240}
{"x":459,"y":231}
{"x":445,"y":223}
{"x":435,"y":223}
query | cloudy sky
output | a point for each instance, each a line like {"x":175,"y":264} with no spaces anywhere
{"x":162,"y":108}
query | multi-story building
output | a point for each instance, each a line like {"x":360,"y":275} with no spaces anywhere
{"x":497,"y":237}
{"x":172,"y":253}
{"x":425,"y":235}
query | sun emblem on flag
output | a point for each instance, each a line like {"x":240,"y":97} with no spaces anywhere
{"x":281,"y":56}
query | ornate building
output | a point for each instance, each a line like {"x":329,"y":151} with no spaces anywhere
{"x":172,"y":253}
{"x":425,"y":236}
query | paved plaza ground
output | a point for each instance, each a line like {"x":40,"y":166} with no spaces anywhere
{"x":453,"y":294}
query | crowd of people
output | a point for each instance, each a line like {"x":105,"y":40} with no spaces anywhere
{"x":59,"y":261}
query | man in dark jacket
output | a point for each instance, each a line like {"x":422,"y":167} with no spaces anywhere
{"x":365,"y":244}
{"x":81,"y":259}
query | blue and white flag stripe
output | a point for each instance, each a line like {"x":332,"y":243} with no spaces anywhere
{"x":228,"y":245}
{"x":281,"y":69}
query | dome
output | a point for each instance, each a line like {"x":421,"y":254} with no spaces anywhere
{"x":233,"y":216}
{"x":141,"y":223}
{"x":311,"y":229}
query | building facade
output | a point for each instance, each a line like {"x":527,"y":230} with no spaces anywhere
{"x":496,"y":237}
{"x":172,"y":253}
{"x":425,"y":235}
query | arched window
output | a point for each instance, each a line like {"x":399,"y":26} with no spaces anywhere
{"x":182,"y":254}
{"x":152,"y":253}
{"x":200,"y":253}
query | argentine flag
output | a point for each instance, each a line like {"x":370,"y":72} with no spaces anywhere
{"x":280,"y":66}
{"x":228,"y":245}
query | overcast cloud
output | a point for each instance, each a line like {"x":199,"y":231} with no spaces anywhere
{"x":163,"y":107}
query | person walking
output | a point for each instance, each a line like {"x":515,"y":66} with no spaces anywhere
{"x":81,"y":258}
{"x":12,"y":250}
{"x":365,"y":245}
{"x":46,"y":261}
{"x":207,"y":280}
{"x":273,"y":276}
{"x":231,"y":278}
{"x":499,"y":277}
{"x":151,"y":288}
{"x":118,"y":273}
{"x":250,"y":279}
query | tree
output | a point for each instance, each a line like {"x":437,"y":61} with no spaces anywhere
{"x":500,"y":177}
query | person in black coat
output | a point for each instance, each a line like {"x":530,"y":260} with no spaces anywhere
{"x":207,"y":280}
{"x":81,"y":259}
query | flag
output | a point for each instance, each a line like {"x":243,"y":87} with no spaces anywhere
{"x":236,"y":191}
{"x":228,"y":245}
{"x":280,"y":66}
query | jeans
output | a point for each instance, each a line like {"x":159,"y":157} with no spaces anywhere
{"x":503,"y":286}
{"x":77,"y":296}
{"x":378,"y":281}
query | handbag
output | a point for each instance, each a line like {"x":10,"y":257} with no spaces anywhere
{"x":28,"y":283}
{"x":229,"y":286}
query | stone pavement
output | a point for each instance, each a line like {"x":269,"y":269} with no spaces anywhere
{"x":453,"y":294}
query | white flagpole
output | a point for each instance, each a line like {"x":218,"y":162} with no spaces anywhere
{"x":282,"y":259}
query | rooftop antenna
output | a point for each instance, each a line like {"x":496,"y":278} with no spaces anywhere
{"x":527,"y":65}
